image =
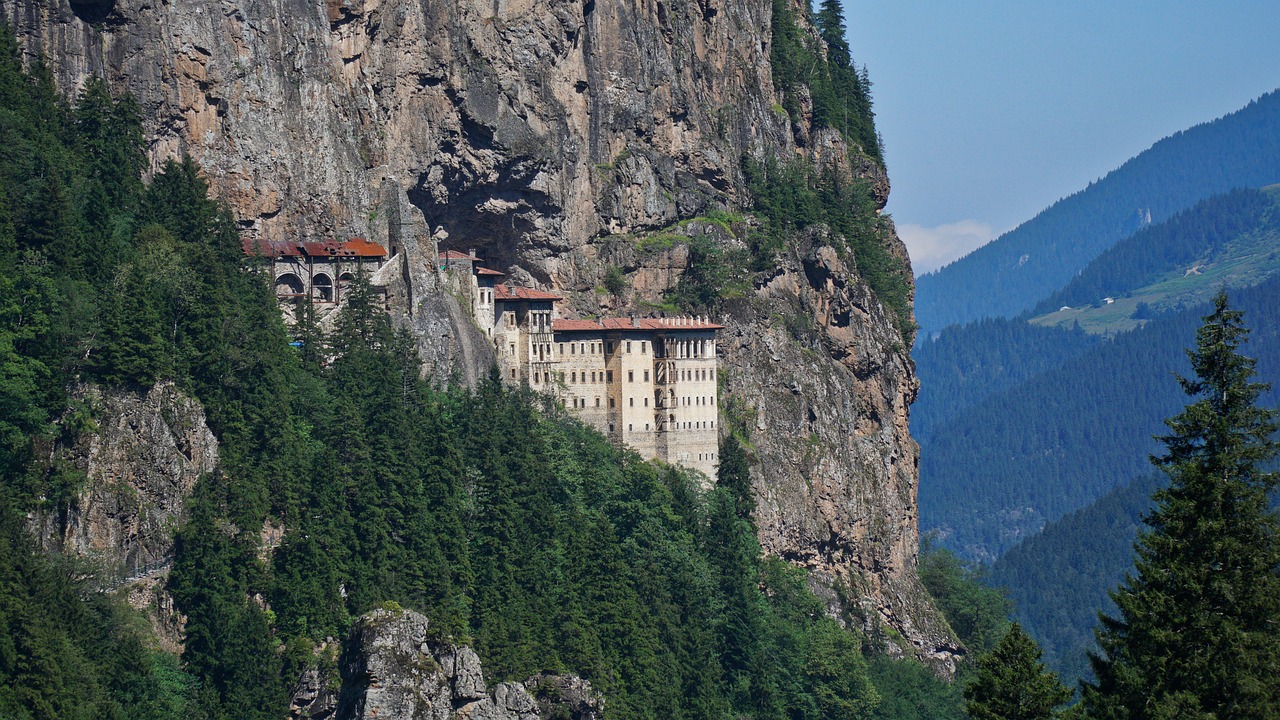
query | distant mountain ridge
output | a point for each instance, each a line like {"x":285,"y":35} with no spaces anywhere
{"x":996,"y":472}
{"x":1061,"y":577}
{"x":1013,"y":272}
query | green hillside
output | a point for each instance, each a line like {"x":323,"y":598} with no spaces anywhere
{"x":1228,"y":241}
{"x":964,"y":364}
{"x":1025,"y":265}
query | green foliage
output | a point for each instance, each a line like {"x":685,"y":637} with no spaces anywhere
{"x":68,"y":651}
{"x":978,"y":614}
{"x":792,"y":197}
{"x":615,"y":282}
{"x":1012,"y":684}
{"x":1194,"y":634}
{"x":911,"y":691}
{"x":840,"y":93}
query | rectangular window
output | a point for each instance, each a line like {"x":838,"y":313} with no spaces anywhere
{"x":631,"y":402}
{"x":574,"y":376}
{"x":628,"y":427}
{"x":631,"y":376}
{"x":646,"y":402}
{"x":646,"y":426}
{"x":646,"y":376}
{"x":628,"y":346}
{"x":610,"y":402}
{"x":597,"y":402}
{"x":561,"y":348}
{"x":643,"y":343}
{"x":573,"y":349}
{"x":608,"y":376}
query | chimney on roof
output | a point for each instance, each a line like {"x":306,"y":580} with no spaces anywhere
{"x":471,"y":252}
{"x":634,"y":321}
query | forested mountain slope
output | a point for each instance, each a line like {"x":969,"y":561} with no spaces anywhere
{"x":1021,"y":267}
{"x":964,"y":364}
{"x":995,"y":473}
{"x":1059,"y":578}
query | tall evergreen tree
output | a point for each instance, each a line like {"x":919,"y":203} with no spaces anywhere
{"x":1195,"y":634}
{"x":1012,"y":683}
{"x":830,"y":22}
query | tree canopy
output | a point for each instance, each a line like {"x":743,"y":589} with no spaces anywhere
{"x":1194,"y":634}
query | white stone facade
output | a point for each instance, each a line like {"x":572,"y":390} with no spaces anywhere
{"x":647,"y":383}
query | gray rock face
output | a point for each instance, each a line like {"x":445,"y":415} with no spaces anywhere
{"x":392,"y":669}
{"x":824,"y":383}
{"x":140,"y":459}
{"x":517,"y":125}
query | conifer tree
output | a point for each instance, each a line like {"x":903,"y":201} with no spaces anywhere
{"x":1012,"y":683}
{"x":1196,"y":632}
{"x":830,"y":22}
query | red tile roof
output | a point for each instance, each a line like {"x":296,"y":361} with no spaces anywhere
{"x":487,"y":271}
{"x":355,"y":247}
{"x":649,"y":324}
{"x":505,"y":292}
{"x":575,"y":325}
{"x":455,"y":255}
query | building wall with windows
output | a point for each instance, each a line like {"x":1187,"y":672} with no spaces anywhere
{"x":647,"y":383}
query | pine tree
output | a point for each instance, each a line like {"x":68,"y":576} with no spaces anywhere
{"x":830,"y":22}
{"x":1196,"y":633}
{"x":1012,"y":683}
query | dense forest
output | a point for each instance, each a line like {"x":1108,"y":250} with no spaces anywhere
{"x":1059,"y":578}
{"x":964,"y":364}
{"x":511,"y":526}
{"x":1243,"y":222}
{"x":996,"y":472}
{"x":1023,"y":266}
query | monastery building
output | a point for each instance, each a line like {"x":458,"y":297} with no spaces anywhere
{"x":647,"y":383}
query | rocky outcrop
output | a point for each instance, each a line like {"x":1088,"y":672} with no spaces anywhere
{"x":816,"y":373}
{"x":393,"y":668}
{"x":138,"y":457}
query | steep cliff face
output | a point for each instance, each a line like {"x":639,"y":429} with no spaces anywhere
{"x":522,"y":127}
{"x":539,"y":133}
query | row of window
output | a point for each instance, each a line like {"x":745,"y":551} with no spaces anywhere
{"x":687,"y":425}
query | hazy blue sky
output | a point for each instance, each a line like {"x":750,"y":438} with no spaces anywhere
{"x":992,"y":110}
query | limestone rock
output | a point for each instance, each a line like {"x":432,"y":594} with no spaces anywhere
{"x":393,"y":669}
{"x":140,"y":457}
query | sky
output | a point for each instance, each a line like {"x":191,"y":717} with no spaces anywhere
{"x":992,"y":110}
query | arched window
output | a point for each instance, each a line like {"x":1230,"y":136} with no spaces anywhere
{"x":322,"y":287}
{"x":288,"y":285}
